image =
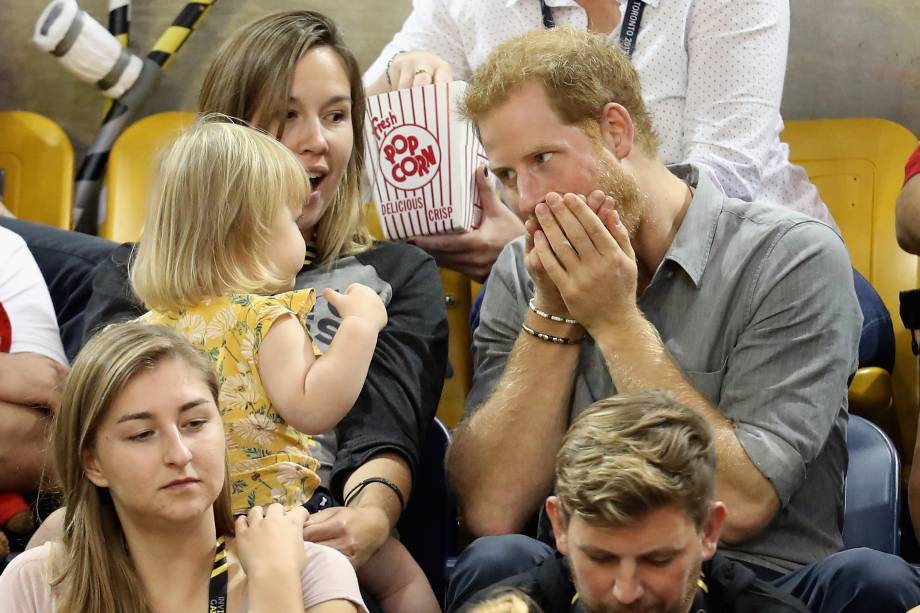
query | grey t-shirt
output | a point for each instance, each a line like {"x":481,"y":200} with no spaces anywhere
{"x":756,"y":304}
{"x":323,"y":324}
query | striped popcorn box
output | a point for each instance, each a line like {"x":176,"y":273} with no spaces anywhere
{"x":421,"y":160}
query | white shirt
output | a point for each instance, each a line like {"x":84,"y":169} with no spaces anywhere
{"x":25,"y":303}
{"x":712,"y":78}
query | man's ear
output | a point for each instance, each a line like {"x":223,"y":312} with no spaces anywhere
{"x":617,"y":131}
{"x":91,"y":468}
{"x":560,"y":524}
{"x":712,"y":528}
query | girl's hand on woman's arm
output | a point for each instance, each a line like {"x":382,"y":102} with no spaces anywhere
{"x":270,"y":549}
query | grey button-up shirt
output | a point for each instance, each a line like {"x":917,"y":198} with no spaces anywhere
{"x":756,"y":304}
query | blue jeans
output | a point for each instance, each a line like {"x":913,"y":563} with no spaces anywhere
{"x":876,"y":342}
{"x":853,"y":580}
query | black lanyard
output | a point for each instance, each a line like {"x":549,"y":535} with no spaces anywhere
{"x":629,"y":30}
{"x":217,"y":588}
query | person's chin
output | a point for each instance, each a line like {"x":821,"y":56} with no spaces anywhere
{"x":307,"y":221}
{"x":188,"y":510}
{"x":170,"y":515}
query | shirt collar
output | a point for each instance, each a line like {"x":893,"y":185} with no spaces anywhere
{"x":555,"y":3}
{"x":693,"y":242}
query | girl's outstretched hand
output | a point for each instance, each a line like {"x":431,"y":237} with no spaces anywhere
{"x":358,"y":301}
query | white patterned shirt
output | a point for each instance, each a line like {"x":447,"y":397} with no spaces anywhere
{"x":712,"y":78}
{"x":27,"y":319}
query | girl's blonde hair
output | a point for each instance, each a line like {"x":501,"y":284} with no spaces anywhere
{"x":251,"y":77}
{"x":507,"y":600}
{"x":95,"y":574}
{"x":219,"y":190}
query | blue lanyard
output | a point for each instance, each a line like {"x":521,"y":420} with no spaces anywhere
{"x":629,"y":30}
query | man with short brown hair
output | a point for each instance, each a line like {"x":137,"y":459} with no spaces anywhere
{"x":635,"y":519}
{"x":637,"y":276}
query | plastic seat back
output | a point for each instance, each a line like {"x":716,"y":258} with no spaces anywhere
{"x":131,"y":168}
{"x":36,"y":161}
{"x":872,"y":513}
{"x":857,"y":165}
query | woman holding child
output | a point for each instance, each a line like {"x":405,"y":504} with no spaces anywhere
{"x":290,"y":75}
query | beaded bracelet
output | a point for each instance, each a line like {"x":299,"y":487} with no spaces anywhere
{"x":550,"y":316}
{"x":559,"y":340}
{"x":363,"y":484}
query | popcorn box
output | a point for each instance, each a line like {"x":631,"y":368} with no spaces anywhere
{"x":421,"y":158}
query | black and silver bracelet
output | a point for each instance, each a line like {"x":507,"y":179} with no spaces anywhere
{"x":550,"y":316}
{"x":559,"y":340}
{"x":360,"y":486}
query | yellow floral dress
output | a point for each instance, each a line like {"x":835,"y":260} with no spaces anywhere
{"x":270,"y":461}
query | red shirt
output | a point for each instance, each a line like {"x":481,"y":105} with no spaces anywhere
{"x":913,"y":165}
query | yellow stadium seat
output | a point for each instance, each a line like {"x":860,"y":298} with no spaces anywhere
{"x":36,"y":159}
{"x":857,"y":165}
{"x":457,"y":299}
{"x":132,"y":163}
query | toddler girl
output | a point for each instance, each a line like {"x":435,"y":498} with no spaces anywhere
{"x":220,"y":240}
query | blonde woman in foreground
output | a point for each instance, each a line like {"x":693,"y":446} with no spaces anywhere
{"x":291,"y":75}
{"x":139,"y":446}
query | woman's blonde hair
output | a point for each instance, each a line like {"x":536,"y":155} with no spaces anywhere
{"x":95,"y":574}
{"x":251,"y":77}
{"x":218,"y":192}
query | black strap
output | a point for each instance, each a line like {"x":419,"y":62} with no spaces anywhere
{"x":217,"y":588}
{"x":393,"y":487}
{"x":548,"y":21}
{"x":629,"y":30}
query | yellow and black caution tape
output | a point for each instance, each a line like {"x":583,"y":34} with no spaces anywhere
{"x":117,"y":118}
{"x":120,"y":20}
{"x":176,"y":34}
